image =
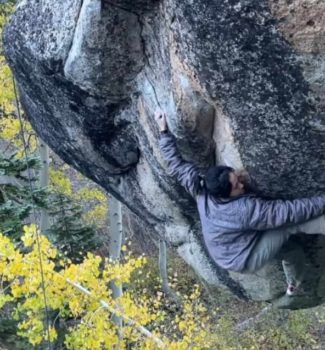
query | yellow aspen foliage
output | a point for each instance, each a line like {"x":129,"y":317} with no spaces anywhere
{"x":5,"y":11}
{"x":6,"y":91}
{"x":10,"y":131}
{"x":9,"y":122}
{"x":59,"y":182}
{"x":91,"y":194}
{"x":21,"y":284}
{"x":91,"y":198}
{"x":7,"y":96}
{"x":9,"y":128}
{"x":97,"y":214}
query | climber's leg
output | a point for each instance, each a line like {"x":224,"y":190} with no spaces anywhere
{"x":273,"y":244}
{"x":276,"y":244}
{"x":313,"y":226}
{"x":294,"y":265}
{"x":272,"y":241}
{"x":267,"y":247}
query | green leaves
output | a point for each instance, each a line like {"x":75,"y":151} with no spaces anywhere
{"x":17,"y":197}
{"x":14,"y":166}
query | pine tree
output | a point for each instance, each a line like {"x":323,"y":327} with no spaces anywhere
{"x":69,"y":232}
{"x":18,"y":196}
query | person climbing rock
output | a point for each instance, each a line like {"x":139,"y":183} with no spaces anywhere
{"x":242,"y":231}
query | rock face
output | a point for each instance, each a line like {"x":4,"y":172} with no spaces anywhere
{"x":242,"y":82}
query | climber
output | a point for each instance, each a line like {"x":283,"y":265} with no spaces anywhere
{"x":242,"y":231}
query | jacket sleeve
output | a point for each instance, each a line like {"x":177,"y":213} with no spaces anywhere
{"x":269,"y":214}
{"x":185,"y":172}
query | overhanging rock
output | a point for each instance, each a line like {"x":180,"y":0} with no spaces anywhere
{"x":242,"y":82}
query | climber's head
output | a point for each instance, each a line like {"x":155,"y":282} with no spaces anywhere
{"x":224,"y":182}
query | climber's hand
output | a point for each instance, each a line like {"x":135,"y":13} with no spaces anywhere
{"x":160,"y":117}
{"x":243,"y":175}
{"x":245,"y":179}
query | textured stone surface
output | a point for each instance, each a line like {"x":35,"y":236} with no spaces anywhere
{"x":242,"y":82}
{"x":302,"y":22}
{"x":303,"y":25}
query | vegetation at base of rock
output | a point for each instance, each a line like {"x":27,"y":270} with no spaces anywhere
{"x":277,"y":330}
{"x":21,"y":199}
{"x":21,"y":282}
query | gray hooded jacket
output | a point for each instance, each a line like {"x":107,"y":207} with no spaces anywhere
{"x":232,"y":228}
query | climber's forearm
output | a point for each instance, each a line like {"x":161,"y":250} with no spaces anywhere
{"x":185,"y":172}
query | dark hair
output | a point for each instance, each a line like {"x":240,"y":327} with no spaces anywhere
{"x":216,"y":183}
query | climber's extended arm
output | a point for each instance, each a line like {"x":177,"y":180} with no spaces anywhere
{"x":270,"y":214}
{"x":185,"y":172}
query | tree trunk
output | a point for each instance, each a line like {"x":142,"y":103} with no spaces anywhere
{"x":163,"y":266}
{"x":44,"y":182}
{"x":242,"y":83}
{"x":164,"y":272}
{"x":115,"y":245}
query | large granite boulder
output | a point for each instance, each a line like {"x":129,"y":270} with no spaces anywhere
{"x":242,"y":82}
